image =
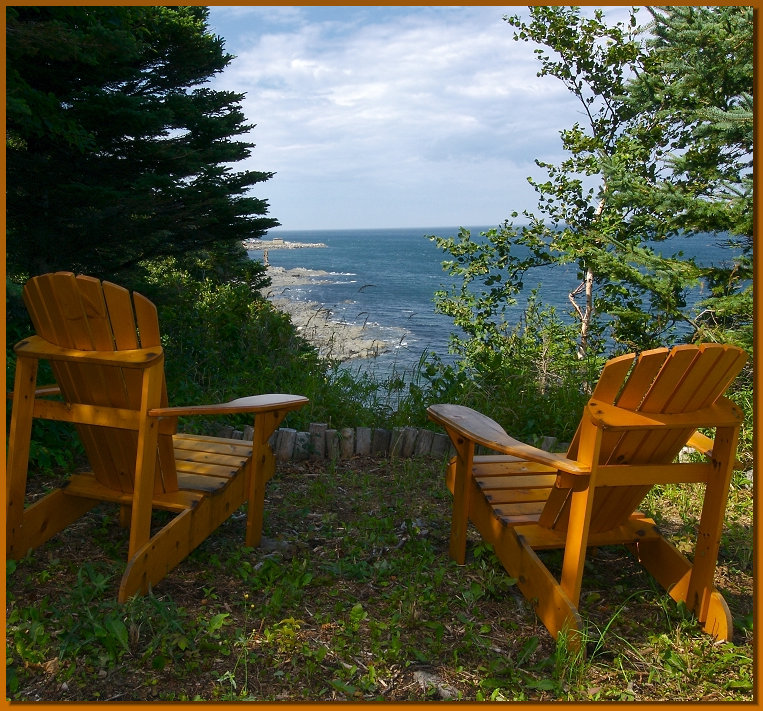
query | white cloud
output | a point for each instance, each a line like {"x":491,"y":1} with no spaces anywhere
{"x":381,"y":117}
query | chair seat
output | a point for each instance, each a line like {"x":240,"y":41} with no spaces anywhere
{"x":204,"y":464}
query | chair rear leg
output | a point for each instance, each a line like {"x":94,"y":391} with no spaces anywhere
{"x":673,"y":571}
{"x":43,"y":519}
{"x":172,"y":544}
{"x":161,"y":554}
{"x":700,"y":592}
{"x":552,"y":605}
{"x":718,"y":620}
{"x":535,"y":581}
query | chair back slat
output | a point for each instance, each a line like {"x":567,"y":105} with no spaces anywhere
{"x":668,"y":382}
{"x":81,"y":313}
{"x":121,"y":316}
{"x":729,"y":365}
{"x":662,"y":381}
{"x":49,"y":321}
{"x":646,"y":368}
{"x":608,"y":387}
{"x":44,"y":310}
{"x":147,"y":320}
{"x":92,"y":300}
{"x":115,"y":387}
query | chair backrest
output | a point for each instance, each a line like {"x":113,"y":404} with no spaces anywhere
{"x":661,"y":381}
{"x":84,"y":314}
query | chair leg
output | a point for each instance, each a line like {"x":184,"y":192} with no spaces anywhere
{"x":666,"y":564}
{"x":17,"y":462}
{"x":145,"y":459}
{"x":718,"y":620}
{"x":159,"y":555}
{"x":172,"y":544}
{"x":552,"y":605}
{"x":581,"y":508}
{"x":262,"y":468}
{"x":125,"y":515}
{"x":43,"y":519}
{"x":673,"y":571}
{"x":538,"y":585}
{"x":576,"y":543}
{"x":462,"y":486}
{"x":708,"y":544}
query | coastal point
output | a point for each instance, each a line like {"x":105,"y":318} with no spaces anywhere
{"x":278,"y":243}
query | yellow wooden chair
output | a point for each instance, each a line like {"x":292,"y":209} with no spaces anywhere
{"x":104,"y":348}
{"x":643,"y":411}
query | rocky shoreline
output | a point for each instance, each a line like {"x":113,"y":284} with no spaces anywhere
{"x":334,"y":339}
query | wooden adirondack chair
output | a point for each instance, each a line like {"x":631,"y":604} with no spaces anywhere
{"x":643,"y":411}
{"x":104,"y":348}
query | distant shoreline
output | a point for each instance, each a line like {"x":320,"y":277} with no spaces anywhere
{"x":278,"y":243}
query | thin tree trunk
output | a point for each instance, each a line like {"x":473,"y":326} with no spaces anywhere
{"x":585,"y":314}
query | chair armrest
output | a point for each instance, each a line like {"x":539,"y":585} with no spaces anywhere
{"x":704,"y":445}
{"x":483,"y":430}
{"x":38,"y":347}
{"x":724,"y":413}
{"x":255,"y":403}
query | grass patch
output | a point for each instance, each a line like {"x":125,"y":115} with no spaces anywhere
{"x":353,"y":597}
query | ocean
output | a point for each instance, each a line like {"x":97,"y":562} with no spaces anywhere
{"x":386,"y":279}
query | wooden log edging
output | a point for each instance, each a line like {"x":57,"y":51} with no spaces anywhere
{"x":323,"y":442}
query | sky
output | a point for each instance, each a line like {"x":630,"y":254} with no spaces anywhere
{"x":381,"y":117}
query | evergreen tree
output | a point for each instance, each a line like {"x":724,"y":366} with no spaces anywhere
{"x":691,"y":113}
{"x":117,"y":152}
{"x":627,"y":291}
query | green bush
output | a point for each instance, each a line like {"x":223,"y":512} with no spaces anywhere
{"x":529,"y":379}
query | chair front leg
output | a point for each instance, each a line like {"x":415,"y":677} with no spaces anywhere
{"x":581,"y":508}
{"x":17,"y":462}
{"x":576,"y":544}
{"x":145,"y":460}
{"x":261,"y":469}
{"x":462,"y":486}
{"x":698,"y":596}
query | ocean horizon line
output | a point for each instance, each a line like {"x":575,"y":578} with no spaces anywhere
{"x":381,"y":229}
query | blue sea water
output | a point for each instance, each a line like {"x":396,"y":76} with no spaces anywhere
{"x":386,"y":279}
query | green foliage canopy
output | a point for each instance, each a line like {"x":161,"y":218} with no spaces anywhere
{"x":117,"y":152}
{"x":664,"y":148}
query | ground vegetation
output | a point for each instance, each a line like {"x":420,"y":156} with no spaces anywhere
{"x":352,"y":597}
